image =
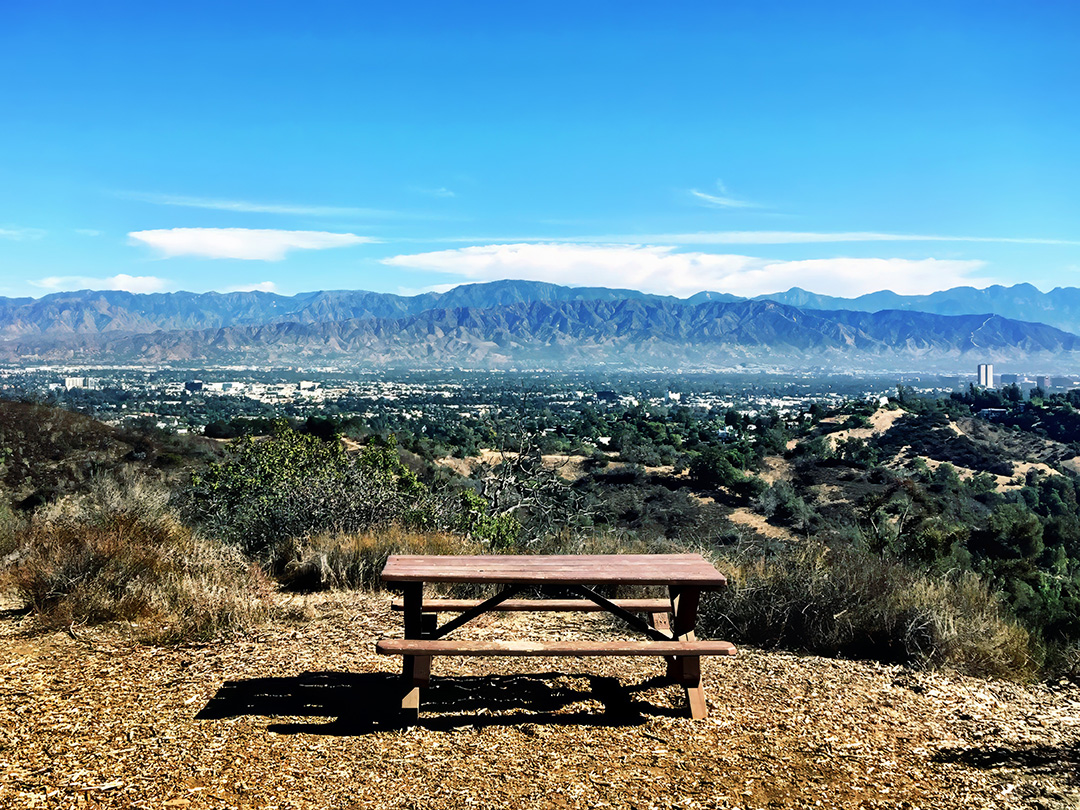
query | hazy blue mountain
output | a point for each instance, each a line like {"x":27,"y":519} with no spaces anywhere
{"x":639,"y":332}
{"x":98,"y":311}
{"x":1060,"y":307}
{"x":94,"y":312}
{"x":89,"y":312}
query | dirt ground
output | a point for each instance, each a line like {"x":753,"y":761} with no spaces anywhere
{"x":300,"y":716}
{"x":880,"y":422}
{"x":752,"y":520}
{"x":569,"y":467}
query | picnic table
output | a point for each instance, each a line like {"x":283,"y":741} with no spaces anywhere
{"x":668,"y":624}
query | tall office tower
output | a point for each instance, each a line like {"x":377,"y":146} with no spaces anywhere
{"x":986,"y":375}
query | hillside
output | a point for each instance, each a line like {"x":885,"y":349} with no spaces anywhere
{"x":282,"y":695}
{"x":293,"y":717}
{"x":47,"y":452}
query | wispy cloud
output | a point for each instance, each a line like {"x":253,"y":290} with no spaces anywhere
{"x":260,"y":286}
{"x":811,"y":237}
{"x":17,"y":234}
{"x":135,"y":284}
{"x":249,"y":207}
{"x":241,"y":243}
{"x":661,"y":269}
{"x":722,"y":198}
{"x":767,"y":238}
{"x":88,"y":232}
{"x":441,"y":191}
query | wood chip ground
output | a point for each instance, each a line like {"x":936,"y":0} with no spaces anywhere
{"x":296,"y":717}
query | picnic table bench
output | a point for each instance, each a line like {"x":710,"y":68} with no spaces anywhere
{"x":669,"y":628}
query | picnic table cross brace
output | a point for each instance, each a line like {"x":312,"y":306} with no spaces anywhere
{"x":473,"y":612}
{"x":634,"y":621}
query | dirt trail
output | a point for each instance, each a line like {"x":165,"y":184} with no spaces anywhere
{"x":881,"y":421}
{"x":776,"y":468}
{"x":570,"y":467}
{"x":1003,"y":483}
{"x":752,"y":520}
{"x":295,"y":717}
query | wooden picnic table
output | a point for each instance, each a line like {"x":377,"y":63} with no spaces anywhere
{"x":669,"y":628}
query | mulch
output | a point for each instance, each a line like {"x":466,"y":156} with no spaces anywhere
{"x":300,"y":715}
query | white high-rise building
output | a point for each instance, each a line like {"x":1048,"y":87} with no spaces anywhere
{"x":986,"y":375}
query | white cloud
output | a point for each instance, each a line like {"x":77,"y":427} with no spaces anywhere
{"x":812,"y":237}
{"x":134,"y":284}
{"x":249,"y":207}
{"x":769,"y":238}
{"x":21,"y":234}
{"x":442,"y":191}
{"x":241,"y":243}
{"x":660,"y":269}
{"x":724,"y":199}
{"x":260,"y":286}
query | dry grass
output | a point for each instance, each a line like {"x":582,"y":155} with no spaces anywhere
{"x":355,"y":560}
{"x":118,"y":554}
{"x":852,"y":603}
{"x":9,"y":527}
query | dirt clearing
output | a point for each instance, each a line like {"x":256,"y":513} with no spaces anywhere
{"x":296,"y":717}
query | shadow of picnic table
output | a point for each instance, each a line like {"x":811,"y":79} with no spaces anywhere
{"x":1062,"y":758}
{"x":359,"y":703}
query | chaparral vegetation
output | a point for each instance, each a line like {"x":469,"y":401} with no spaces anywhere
{"x":907,"y":531}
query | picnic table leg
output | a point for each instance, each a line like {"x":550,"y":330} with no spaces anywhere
{"x":415,"y":669}
{"x":661,"y":621}
{"x":686,"y":669}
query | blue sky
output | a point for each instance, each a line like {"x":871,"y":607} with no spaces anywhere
{"x":734,"y":146}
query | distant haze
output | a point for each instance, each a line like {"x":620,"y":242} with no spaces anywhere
{"x":534,"y":325}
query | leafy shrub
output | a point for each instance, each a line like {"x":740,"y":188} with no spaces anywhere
{"x":714,"y":467}
{"x":287,"y":488}
{"x":293,"y":485}
{"x":473,"y":519}
{"x":116,"y":553}
{"x":780,"y":502}
{"x":850,"y":602}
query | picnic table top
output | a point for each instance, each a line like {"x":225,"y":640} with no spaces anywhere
{"x":690,"y":570}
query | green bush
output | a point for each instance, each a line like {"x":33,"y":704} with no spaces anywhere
{"x":293,"y":485}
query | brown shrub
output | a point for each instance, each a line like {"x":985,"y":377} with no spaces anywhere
{"x":118,"y":554}
{"x":355,"y":560}
{"x":852,"y":603}
{"x":9,"y":526}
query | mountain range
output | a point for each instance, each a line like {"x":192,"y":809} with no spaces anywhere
{"x":531,"y":325}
